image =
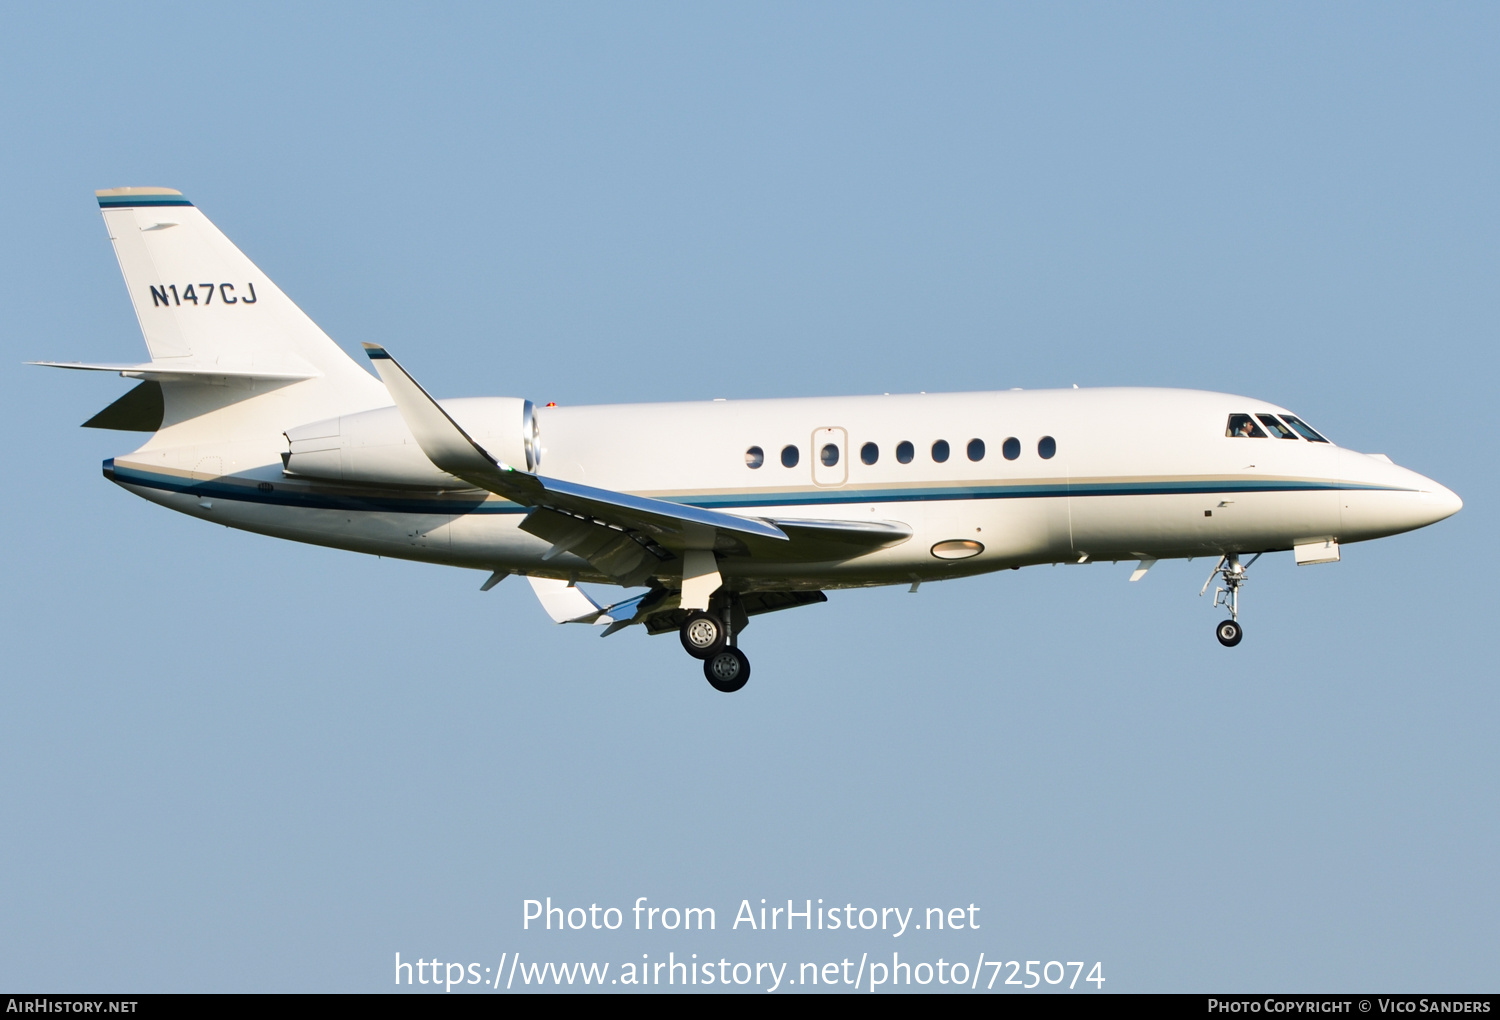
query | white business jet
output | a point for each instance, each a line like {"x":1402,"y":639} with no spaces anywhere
{"x":721,"y":510}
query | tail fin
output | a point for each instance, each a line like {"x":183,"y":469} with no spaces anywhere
{"x":209,"y":315}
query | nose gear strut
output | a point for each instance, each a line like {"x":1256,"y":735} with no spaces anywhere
{"x":1229,"y":632}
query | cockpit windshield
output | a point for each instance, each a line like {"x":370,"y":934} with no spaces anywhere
{"x":1303,"y":429}
{"x":1245,"y":426}
{"x":1277,"y":429}
{"x":1242,"y":426}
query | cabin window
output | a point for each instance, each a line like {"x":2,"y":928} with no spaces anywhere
{"x":1278,"y":430}
{"x":1046,"y":448}
{"x":1011,"y":448}
{"x":940,"y":450}
{"x":1242,"y":426}
{"x":905,"y":452}
{"x":976,"y":449}
{"x":869,"y":453}
{"x":829,"y":455}
{"x":755,"y":457}
{"x":789,"y":456}
{"x":1303,"y":429}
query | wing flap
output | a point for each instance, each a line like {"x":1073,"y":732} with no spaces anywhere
{"x":563,"y":602}
{"x":614,"y":552}
{"x":658,"y":620}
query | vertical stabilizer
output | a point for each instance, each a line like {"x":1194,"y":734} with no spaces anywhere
{"x":202,"y":305}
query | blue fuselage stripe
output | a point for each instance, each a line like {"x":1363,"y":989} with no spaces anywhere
{"x":374,"y":501}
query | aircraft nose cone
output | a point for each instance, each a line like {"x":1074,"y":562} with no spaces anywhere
{"x":1439,"y":502}
{"x":1392,"y":501}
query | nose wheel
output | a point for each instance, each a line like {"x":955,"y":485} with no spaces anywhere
{"x":1229,"y":632}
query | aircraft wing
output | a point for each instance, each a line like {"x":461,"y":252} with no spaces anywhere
{"x":615,"y":527}
{"x":623,"y":535}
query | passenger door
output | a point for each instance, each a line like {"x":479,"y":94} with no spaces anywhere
{"x":830,"y":463}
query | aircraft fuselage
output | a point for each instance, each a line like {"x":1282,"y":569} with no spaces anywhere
{"x":1133,"y":473}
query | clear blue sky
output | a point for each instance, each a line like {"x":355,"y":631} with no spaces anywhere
{"x":235,"y":763}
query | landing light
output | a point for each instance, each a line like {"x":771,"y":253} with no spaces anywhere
{"x":957,"y":549}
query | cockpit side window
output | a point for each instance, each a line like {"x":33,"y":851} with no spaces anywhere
{"x":1303,"y":429}
{"x":1278,"y":430}
{"x":1242,"y":426}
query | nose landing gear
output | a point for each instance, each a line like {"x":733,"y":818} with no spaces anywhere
{"x":1229,"y":632}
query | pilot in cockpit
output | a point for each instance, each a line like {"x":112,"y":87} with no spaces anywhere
{"x":1242,"y":426}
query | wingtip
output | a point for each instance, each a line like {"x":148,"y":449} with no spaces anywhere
{"x":375,"y":352}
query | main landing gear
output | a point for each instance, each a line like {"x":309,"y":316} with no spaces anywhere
{"x":1229,"y":632}
{"x":727,"y":671}
{"x":710,"y":637}
{"x":704,"y":634}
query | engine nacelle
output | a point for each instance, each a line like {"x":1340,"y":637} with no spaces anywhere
{"x":376,"y":447}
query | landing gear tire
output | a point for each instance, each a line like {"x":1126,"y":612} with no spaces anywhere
{"x":703,"y":635}
{"x":727,"y":670}
{"x":1229,"y":633}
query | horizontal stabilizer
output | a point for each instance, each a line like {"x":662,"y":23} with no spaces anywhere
{"x":174,"y":371}
{"x":140,"y":410}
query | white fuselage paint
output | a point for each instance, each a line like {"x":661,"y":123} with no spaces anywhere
{"x":1138,"y":473}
